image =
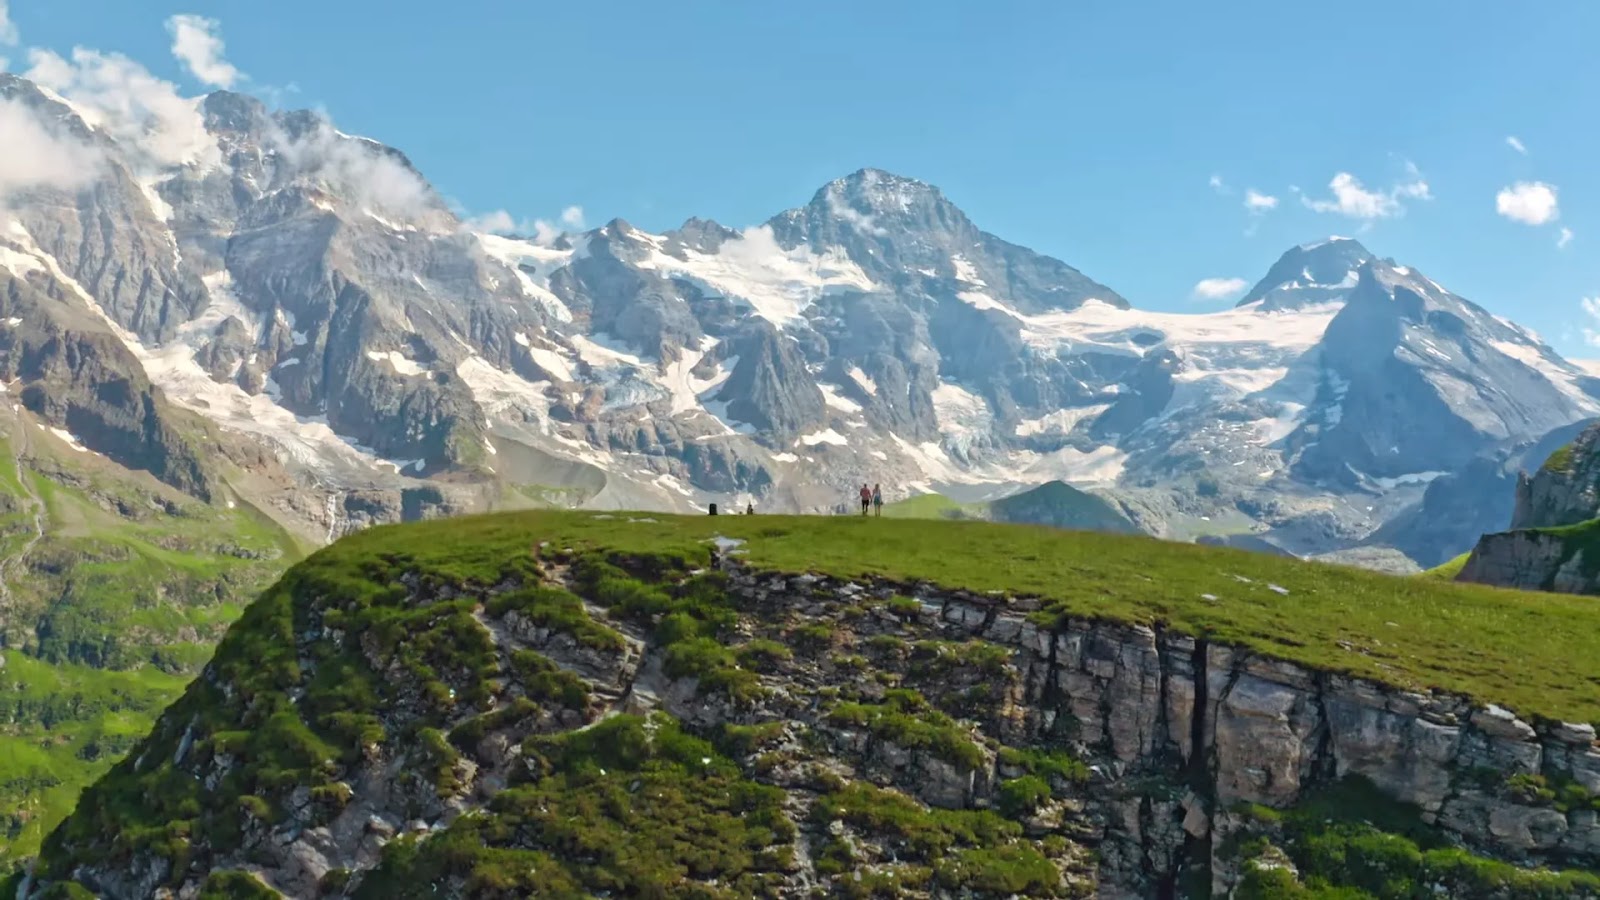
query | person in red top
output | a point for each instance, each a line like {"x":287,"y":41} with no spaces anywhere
{"x":866,"y":498}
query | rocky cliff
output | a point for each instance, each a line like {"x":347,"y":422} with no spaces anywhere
{"x":1551,"y":542}
{"x":596,"y":704}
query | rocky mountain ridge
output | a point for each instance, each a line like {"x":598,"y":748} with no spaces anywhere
{"x":310,"y":291}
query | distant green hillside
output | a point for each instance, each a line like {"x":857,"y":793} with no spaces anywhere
{"x":1056,"y":504}
{"x":113,"y":590}
{"x":1448,"y":571}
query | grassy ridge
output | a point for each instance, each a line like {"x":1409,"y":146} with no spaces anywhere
{"x":1536,"y":653}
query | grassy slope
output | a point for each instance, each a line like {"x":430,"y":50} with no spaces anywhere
{"x":1532,"y":652}
{"x":108,"y":618}
{"x":930,"y":506}
{"x":1449,"y":570}
{"x":1055,"y":503}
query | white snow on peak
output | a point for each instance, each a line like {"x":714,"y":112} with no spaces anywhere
{"x":1565,"y":378}
{"x":826,"y":436}
{"x":980,"y":300}
{"x":860,"y":377}
{"x":603,"y":352}
{"x":397,"y":361}
{"x":780,"y":285}
{"x":21,"y":264}
{"x":504,"y":394}
{"x":961,"y":413}
{"x":532,"y":264}
{"x":1331,"y":239}
{"x":552,"y":362}
{"x":965,"y":271}
{"x":1061,"y":421}
{"x":681,"y":381}
{"x":836,"y":400}
{"x":70,"y":439}
{"x":1105,"y":328}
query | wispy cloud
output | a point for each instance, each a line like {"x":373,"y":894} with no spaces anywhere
{"x":41,"y":154}
{"x":543,"y":231}
{"x":1353,"y":199}
{"x":1219,"y":288}
{"x":1218,"y":185}
{"x":8,"y":29}
{"x":370,"y":175}
{"x":1528,"y":202}
{"x":1257,"y":202}
{"x":1564,"y":239}
{"x":1591,"y":307}
{"x":197,"y":43}
{"x":1514,"y":143}
{"x":121,"y":97}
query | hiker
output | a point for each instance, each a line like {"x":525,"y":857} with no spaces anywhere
{"x":866,"y":498}
{"x":877,"y":500}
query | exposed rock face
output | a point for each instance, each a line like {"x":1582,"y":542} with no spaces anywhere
{"x":769,"y":388}
{"x":1541,"y":552}
{"x":1565,"y":488}
{"x":79,"y":376}
{"x":1178,"y":732}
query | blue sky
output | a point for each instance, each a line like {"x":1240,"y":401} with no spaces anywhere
{"x":1089,"y":131}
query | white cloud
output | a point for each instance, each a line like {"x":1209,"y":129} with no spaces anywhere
{"x":1218,"y":185}
{"x":1564,"y":239}
{"x":197,"y":43}
{"x":8,"y":29}
{"x":1219,"y":288}
{"x":1257,"y":202}
{"x":497,"y":222}
{"x":40,"y":154}
{"x":1528,"y":202}
{"x":860,"y":221}
{"x":369,"y":175}
{"x":1351,"y":198}
{"x":542,"y":231}
{"x":1591,"y":305}
{"x":120,"y":97}
{"x":1515,"y":144}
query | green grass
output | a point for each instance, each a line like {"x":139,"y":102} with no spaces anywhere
{"x":629,"y":808}
{"x":1409,"y":632}
{"x":925,"y":506}
{"x":1449,"y":570}
{"x":65,"y":726}
{"x":1560,"y":461}
{"x":1350,"y":842}
{"x":111,"y":613}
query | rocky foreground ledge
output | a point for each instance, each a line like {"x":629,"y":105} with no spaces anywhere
{"x":568,"y":718}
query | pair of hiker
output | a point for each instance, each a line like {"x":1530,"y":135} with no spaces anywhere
{"x":871,"y":499}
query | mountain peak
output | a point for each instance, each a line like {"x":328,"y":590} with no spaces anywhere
{"x":877,"y":192}
{"x":1310,"y":275}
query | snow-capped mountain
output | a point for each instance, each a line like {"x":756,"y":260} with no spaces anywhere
{"x":307,"y":292}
